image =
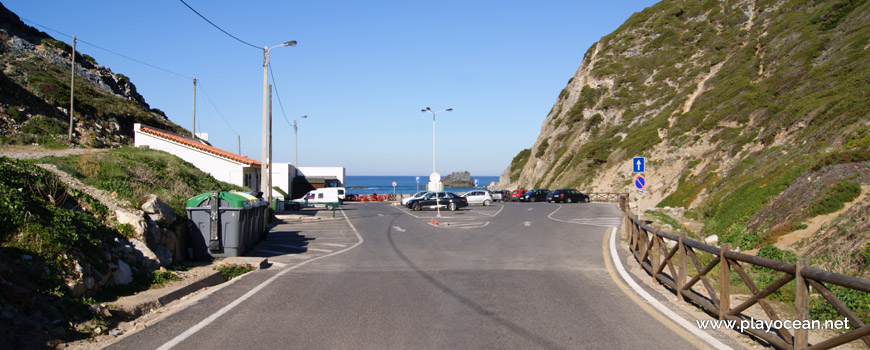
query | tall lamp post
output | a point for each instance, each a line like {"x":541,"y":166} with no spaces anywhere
{"x":296,"y":145}
{"x":266,"y":168}
{"x":429,"y":110}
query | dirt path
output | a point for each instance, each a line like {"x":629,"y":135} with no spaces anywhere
{"x":36,"y":152}
{"x":815,"y":224}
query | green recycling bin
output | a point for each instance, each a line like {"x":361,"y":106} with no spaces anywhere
{"x":219,"y":224}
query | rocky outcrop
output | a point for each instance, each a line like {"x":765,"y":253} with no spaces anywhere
{"x":458,"y":179}
{"x":719,"y":97}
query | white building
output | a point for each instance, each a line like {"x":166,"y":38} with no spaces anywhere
{"x":222,"y":165}
{"x":237,"y":169}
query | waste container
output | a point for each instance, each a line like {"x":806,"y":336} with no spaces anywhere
{"x":251,"y":224}
{"x":219,"y":220}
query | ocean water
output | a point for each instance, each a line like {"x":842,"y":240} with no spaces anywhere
{"x":404,"y":184}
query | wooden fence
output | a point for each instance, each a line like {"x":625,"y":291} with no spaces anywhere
{"x":605,"y":197}
{"x":658,"y":250}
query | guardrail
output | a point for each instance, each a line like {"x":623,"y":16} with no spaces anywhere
{"x":656,"y":251}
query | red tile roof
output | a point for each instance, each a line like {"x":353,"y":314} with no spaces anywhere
{"x":194,"y":144}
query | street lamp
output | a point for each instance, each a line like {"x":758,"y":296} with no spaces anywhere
{"x":296,"y":146}
{"x":266,"y":168}
{"x":427,"y":109}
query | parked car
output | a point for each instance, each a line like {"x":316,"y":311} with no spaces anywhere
{"x":448,"y":200}
{"x":515,"y":194}
{"x":479,"y":197}
{"x":405,"y":200}
{"x":536,"y":195}
{"x":500,"y":195}
{"x":567,"y":195}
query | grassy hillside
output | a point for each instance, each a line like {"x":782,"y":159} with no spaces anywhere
{"x":730,"y":101}
{"x":35,"y":94}
{"x":51,"y":233}
{"x":134,"y":173}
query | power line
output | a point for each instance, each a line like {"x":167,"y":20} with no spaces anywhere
{"x":218,"y":111}
{"x":219,"y":28}
{"x":107,"y":50}
{"x":275,"y":84}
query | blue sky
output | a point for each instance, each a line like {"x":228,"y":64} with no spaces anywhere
{"x":361,"y":71}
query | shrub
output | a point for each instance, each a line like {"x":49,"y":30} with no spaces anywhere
{"x":842,"y":192}
{"x":230,"y":271}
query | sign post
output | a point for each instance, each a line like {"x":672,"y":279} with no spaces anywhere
{"x":476,"y":183}
{"x":394,"y":190}
{"x":418,"y":184}
{"x":638,"y":166}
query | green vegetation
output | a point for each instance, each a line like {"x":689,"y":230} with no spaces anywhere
{"x":230,"y":271}
{"x":828,"y":17}
{"x":518,"y":163}
{"x":54,"y":226}
{"x":133,"y":173}
{"x":842,"y":192}
{"x":728,"y":212}
{"x":542,"y":148}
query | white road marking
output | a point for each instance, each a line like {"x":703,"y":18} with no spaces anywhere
{"x":277,"y":264}
{"x":298,"y":248}
{"x":655,"y":303}
{"x":397,"y":228}
{"x":202,"y":324}
{"x":490,"y":215}
{"x":527,"y":223}
{"x":380,"y":214}
{"x":335,"y":245}
{"x":530,"y":209}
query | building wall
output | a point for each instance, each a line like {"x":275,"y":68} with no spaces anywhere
{"x":282,"y":177}
{"x":323,"y":171}
{"x":220,"y":168}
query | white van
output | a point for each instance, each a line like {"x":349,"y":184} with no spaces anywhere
{"x":321,"y":197}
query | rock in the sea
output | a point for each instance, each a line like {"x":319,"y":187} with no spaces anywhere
{"x":458,"y":179}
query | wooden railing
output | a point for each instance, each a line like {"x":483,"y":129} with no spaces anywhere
{"x":667,"y":258}
{"x":605,"y":197}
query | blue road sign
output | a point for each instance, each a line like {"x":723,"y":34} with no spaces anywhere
{"x":640,"y":182}
{"x":476,"y":182}
{"x":638,"y":164}
{"x":418,"y":179}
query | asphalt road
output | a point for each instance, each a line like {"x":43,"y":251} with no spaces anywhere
{"x":514,"y":275}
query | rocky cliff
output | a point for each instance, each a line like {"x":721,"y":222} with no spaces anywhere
{"x":35,"y":93}
{"x":730,"y":101}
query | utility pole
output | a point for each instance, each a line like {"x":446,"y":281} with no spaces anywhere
{"x":72,"y":84}
{"x":269,"y":182}
{"x":193,"y":126}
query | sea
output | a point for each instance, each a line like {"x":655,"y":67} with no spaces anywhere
{"x":404,"y":184}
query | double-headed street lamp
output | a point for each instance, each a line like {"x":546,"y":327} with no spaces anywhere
{"x":296,"y":146}
{"x":427,"y":109}
{"x":266,"y":167}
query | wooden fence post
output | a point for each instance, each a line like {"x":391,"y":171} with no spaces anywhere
{"x":802,"y":304}
{"x":681,"y":266}
{"x":724,"y":281}
{"x":654,"y":254}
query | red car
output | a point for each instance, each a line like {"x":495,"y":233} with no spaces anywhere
{"x":515,"y":194}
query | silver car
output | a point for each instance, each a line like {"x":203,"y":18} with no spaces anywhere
{"x":405,"y":200}
{"x":478,"y":197}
